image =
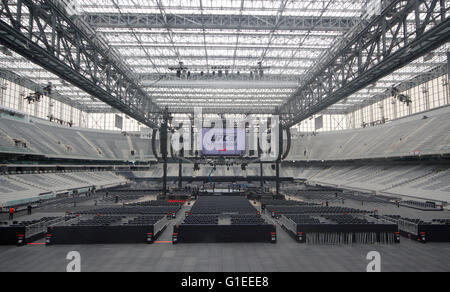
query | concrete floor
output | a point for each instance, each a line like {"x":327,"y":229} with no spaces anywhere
{"x":284,"y":256}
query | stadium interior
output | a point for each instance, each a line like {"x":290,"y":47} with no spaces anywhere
{"x":225,"y":135}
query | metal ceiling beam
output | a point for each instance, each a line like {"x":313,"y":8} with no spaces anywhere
{"x":70,"y":52}
{"x":188,"y":35}
{"x":403,"y":86}
{"x":358,"y":7}
{"x":234,"y":81}
{"x":213,"y":21}
{"x":169,"y":34}
{"x":218,"y":46}
{"x":207,"y":109}
{"x":216,"y":103}
{"x":366,"y":55}
{"x":212,"y":109}
{"x":203,"y":67}
{"x":186,"y":93}
{"x":251,"y":58}
{"x":242,"y":81}
{"x":137,"y":58}
{"x":102,"y":110}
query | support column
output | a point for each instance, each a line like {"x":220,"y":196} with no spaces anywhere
{"x":280,"y":155}
{"x":261,"y":173}
{"x":180,"y":173}
{"x":191,"y":133}
{"x":258,"y":146}
{"x":278,"y":177}
{"x":3,"y":88}
{"x":163,"y":144}
{"x":165,"y":178}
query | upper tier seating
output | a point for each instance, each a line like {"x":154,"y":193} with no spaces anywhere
{"x":434,"y":186}
{"x":25,"y":188}
{"x":410,"y":136}
{"x":424,"y":181}
{"x":39,"y":137}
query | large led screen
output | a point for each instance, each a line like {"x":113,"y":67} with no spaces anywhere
{"x":224,"y":142}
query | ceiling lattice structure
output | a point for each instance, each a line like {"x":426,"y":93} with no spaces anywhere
{"x":227,"y":56}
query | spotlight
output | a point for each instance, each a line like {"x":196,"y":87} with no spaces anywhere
{"x":34,"y":97}
{"x":405,"y":99}
{"x":48,"y":88}
{"x":401,"y":97}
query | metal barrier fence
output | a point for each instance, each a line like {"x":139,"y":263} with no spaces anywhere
{"x":41,"y":227}
{"x":403,"y":225}
{"x":288,"y":224}
{"x":379,"y":231}
{"x":409,"y":227}
{"x":348,"y":238}
{"x":160,"y":225}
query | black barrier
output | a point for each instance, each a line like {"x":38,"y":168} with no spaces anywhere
{"x":222,"y":204}
{"x":100,"y":234}
{"x":416,"y":229}
{"x":10,"y":235}
{"x":224,"y":233}
{"x":23,"y":232}
{"x":434,"y":233}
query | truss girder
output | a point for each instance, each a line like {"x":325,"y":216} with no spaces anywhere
{"x":223,"y":110}
{"x":387,"y":43}
{"x":403,"y":86}
{"x":212,"y":21}
{"x":43,"y":33}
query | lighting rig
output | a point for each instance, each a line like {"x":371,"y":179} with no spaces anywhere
{"x":400,"y":96}
{"x":218,"y":71}
{"x":36,"y":96}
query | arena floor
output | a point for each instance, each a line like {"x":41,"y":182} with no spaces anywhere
{"x":285,"y":256}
